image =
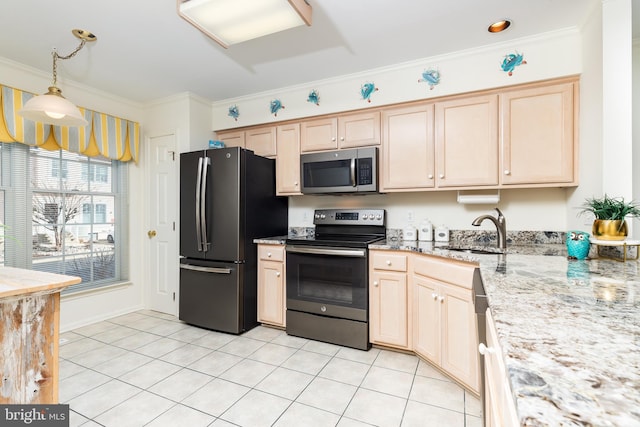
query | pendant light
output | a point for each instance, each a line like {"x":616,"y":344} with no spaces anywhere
{"x":53,"y":108}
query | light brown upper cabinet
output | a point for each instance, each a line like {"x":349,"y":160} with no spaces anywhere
{"x":359,"y":130}
{"x":344,"y":131}
{"x":407,"y":158}
{"x":518,"y":137}
{"x":233,"y":138}
{"x":538,"y":130}
{"x":262,"y":141}
{"x":319,"y":135}
{"x":288,"y":159}
{"x":467,"y":142}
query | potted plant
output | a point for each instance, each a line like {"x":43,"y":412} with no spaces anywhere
{"x":610,"y":214}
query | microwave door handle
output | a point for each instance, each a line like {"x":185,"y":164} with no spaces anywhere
{"x":198,"y":203}
{"x":203,"y":204}
{"x":353,"y":172}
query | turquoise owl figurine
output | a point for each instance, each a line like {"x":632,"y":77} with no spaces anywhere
{"x":578,"y":244}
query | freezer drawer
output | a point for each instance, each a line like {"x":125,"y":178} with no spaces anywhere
{"x":211,"y":295}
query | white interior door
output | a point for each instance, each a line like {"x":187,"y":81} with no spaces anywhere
{"x":162,"y":237}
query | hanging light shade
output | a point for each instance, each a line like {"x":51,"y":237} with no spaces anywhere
{"x":53,"y":108}
{"x":234,"y":21}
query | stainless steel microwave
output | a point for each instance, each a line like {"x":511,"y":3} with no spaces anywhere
{"x":341,"y":171}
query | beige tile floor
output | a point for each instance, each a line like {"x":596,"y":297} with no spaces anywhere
{"x":150,"y":369}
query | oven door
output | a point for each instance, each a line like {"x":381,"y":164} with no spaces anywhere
{"x":328,"y":281}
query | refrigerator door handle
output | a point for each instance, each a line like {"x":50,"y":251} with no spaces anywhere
{"x":206,"y":269}
{"x":203,"y":204}
{"x":198,"y":203}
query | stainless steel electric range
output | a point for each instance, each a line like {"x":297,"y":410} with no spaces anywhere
{"x":327,"y":277}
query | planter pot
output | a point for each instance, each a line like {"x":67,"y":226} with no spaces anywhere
{"x":604,"y":229}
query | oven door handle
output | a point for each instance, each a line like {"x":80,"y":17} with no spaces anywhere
{"x":355,"y":253}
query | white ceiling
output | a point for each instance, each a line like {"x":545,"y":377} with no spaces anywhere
{"x":145,"y":51}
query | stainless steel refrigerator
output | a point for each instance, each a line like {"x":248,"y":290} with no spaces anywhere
{"x":227,"y":199}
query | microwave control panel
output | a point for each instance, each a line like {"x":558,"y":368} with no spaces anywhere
{"x":365,"y":171}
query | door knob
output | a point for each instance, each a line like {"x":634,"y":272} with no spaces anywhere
{"x":151,"y":233}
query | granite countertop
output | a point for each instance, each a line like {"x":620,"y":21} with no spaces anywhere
{"x":276,"y":240}
{"x":569,"y":331}
{"x":18,"y":281}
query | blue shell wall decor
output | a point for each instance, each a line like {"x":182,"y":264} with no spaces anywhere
{"x":511,"y":61}
{"x":275,"y":106}
{"x":431,"y":76}
{"x":314,"y":97}
{"x":366,"y":90}
{"x":234,"y":112}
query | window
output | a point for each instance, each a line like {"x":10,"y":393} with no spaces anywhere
{"x":58,"y":169}
{"x":95,"y":173}
{"x":72,"y":209}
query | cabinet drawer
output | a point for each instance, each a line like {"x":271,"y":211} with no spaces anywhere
{"x":271,"y":252}
{"x":389,"y":261}
{"x":445,"y":271}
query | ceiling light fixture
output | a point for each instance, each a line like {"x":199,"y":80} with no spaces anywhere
{"x":53,"y":108}
{"x":234,"y":21}
{"x":499,"y":26}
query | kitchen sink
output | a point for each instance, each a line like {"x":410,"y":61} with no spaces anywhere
{"x":477,"y":251}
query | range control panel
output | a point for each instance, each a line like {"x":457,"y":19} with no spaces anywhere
{"x":349,"y":217}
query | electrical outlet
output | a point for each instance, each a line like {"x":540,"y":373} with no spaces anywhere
{"x":410,"y":216}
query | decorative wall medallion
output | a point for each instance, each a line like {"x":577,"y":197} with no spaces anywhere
{"x":275,"y":106}
{"x":366,"y":90}
{"x":234,"y":112}
{"x":511,"y":61}
{"x":314,"y":97}
{"x":431,"y":76}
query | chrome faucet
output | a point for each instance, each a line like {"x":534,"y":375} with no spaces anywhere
{"x":501,"y":226}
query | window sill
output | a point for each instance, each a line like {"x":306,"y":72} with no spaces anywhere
{"x":80,"y":293}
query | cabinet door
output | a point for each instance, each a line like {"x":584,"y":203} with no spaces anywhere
{"x":262,"y":141}
{"x":407,"y":149}
{"x":359,"y":130}
{"x":318,"y":135}
{"x":502,"y":410}
{"x":537,"y":128}
{"x":467,"y":142}
{"x":271,"y":293}
{"x":232,"y":139}
{"x":459,"y":335}
{"x":388,"y":310}
{"x":426,"y":319}
{"x":288,"y":159}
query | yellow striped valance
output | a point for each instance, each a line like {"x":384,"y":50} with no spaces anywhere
{"x":105,"y":135}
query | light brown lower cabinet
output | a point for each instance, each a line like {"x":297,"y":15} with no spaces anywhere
{"x":444,"y":319}
{"x":271,"y":285}
{"x":500,"y":408}
{"x":424,"y":304}
{"x":389,"y":300}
